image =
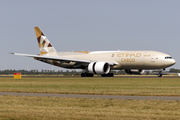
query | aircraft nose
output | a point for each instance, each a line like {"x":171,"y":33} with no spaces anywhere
{"x":173,"y":61}
{"x":169,"y":62}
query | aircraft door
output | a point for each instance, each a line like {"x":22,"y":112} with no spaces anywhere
{"x":153,"y":58}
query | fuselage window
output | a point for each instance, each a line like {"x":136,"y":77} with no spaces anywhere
{"x":168,"y":57}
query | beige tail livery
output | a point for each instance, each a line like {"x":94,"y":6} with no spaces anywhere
{"x":44,"y":45}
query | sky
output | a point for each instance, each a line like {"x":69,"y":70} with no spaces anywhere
{"x":92,"y":25}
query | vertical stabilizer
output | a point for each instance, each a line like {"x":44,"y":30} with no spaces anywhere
{"x":44,"y":45}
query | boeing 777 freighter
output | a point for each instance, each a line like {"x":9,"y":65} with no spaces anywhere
{"x":101,"y":62}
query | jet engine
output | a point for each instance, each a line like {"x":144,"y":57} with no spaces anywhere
{"x":134,"y":71}
{"x":99,"y":68}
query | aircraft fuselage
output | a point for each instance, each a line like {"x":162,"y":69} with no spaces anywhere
{"x":124,"y":59}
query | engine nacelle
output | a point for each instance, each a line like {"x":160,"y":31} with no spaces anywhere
{"x":134,"y":71}
{"x":99,"y":68}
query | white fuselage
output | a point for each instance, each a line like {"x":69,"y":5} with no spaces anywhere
{"x":123,"y":59}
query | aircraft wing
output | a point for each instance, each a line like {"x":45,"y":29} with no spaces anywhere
{"x":56,"y":58}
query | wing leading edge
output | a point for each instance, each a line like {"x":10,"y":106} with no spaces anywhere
{"x":57,"y":58}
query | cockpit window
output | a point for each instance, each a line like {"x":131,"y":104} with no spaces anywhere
{"x":168,"y":57}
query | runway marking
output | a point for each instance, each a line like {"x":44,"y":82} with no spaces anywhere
{"x":119,"y":97}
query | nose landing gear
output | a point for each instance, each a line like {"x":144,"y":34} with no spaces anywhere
{"x":160,"y":74}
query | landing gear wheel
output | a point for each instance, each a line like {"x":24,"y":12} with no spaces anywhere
{"x":86,"y":75}
{"x":108,"y":75}
{"x":160,"y":75}
{"x":82,"y":75}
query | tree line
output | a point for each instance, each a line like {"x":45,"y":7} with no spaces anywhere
{"x":50,"y":72}
{"x":67,"y":72}
{"x":37,"y":72}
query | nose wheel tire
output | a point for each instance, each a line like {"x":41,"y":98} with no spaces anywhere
{"x":160,"y":74}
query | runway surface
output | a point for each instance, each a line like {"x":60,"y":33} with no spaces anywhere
{"x":119,"y":97}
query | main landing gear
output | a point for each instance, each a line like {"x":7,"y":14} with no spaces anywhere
{"x":91,"y":75}
{"x":87,"y":75}
{"x":108,"y":75}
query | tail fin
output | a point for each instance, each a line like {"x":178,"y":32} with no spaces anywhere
{"x":44,"y":45}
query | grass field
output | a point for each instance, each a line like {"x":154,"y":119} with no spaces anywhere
{"x":105,"y":86}
{"x":47,"y":108}
{"x":54,"y":108}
